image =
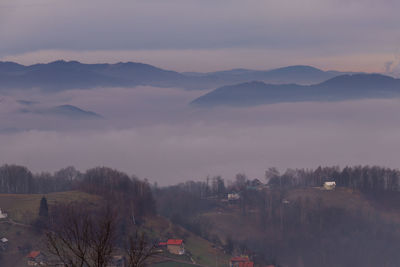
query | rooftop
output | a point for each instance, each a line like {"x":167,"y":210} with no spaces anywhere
{"x":34,"y":254}
{"x":174,"y":242}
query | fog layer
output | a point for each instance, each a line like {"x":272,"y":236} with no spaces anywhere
{"x":153,"y":133}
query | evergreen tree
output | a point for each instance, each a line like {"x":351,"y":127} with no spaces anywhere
{"x":43,"y":209}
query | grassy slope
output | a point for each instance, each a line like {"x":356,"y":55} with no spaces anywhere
{"x":232,"y":223}
{"x":202,"y":251}
{"x":24,"y":208}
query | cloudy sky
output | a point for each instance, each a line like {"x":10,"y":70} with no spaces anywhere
{"x":205,"y":35}
{"x":152,"y":132}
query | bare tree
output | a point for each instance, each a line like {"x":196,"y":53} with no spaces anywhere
{"x":79,"y":237}
{"x":139,"y":251}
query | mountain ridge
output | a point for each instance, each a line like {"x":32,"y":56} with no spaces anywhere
{"x":344,"y":87}
{"x":63,"y":75}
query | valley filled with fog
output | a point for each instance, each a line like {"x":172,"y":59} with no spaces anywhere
{"x":154,"y":133}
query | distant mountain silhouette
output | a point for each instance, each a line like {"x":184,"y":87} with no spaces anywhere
{"x":344,"y":87}
{"x":299,"y":74}
{"x":62,"y":75}
{"x":69,"y":111}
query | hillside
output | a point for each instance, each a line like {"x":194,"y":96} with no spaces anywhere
{"x":344,"y":87}
{"x":23,"y":210}
{"x":309,"y":221}
{"x":230,"y":221}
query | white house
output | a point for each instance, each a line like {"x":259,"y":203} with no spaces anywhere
{"x":233,"y":196}
{"x":330,"y":185}
{"x":3,"y":243}
{"x":3,"y":215}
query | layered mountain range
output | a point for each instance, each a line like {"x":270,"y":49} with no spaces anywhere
{"x":62,"y":75}
{"x":343,"y":87}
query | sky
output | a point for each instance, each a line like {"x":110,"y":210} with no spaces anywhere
{"x":205,"y":35}
{"x":153,"y":132}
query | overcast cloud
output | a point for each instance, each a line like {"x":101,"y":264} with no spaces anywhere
{"x":329,"y":33}
{"x":152,"y":132}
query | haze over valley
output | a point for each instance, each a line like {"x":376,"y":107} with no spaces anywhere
{"x":199,"y":133}
{"x":135,"y":128}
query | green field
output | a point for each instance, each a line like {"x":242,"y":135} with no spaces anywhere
{"x":24,"y":208}
{"x":202,"y":251}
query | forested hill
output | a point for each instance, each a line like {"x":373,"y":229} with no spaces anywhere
{"x":292,"y":220}
{"x":63,"y":75}
{"x":344,"y":87}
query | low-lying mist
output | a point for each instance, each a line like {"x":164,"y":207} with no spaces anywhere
{"x":153,"y":133}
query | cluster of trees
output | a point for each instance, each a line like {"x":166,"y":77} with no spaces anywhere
{"x":309,"y":232}
{"x":183,"y":203}
{"x":114,"y":186}
{"x":363,"y":178}
{"x":128,"y":193}
{"x":78,"y":235}
{"x":300,"y":232}
{"x":15,"y":179}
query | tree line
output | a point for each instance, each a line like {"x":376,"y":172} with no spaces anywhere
{"x":363,"y":178}
{"x":129,"y":192}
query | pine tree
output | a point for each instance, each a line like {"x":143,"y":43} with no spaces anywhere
{"x":44,"y":209}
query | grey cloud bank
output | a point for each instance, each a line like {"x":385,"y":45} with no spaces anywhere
{"x":362,"y":30}
{"x":151,"y":132}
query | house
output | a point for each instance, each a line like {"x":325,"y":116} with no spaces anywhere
{"x":175,"y":246}
{"x":3,"y":243}
{"x":241,"y":262}
{"x":36,"y":258}
{"x":3,"y":215}
{"x":330,"y":185}
{"x":232,"y":197}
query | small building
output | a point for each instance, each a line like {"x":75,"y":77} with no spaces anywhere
{"x":36,"y":258}
{"x":3,"y":215}
{"x":331,"y":185}
{"x":241,"y":262}
{"x":176,"y":246}
{"x":232,"y":197}
{"x":3,"y":243}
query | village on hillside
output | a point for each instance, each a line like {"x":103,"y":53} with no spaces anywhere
{"x":169,"y":252}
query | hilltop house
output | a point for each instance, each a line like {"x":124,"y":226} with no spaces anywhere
{"x":330,"y":185}
{"x":241,"y":262}
{"x":232,"y":197}
{"x":36,"y":258}
{"x":3,"y":215}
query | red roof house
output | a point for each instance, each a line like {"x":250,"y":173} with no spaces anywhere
{"x":241,"y":262}
{"x":176,"y":246}
{"x":36,"y":258}
{"x":175,"y":242}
